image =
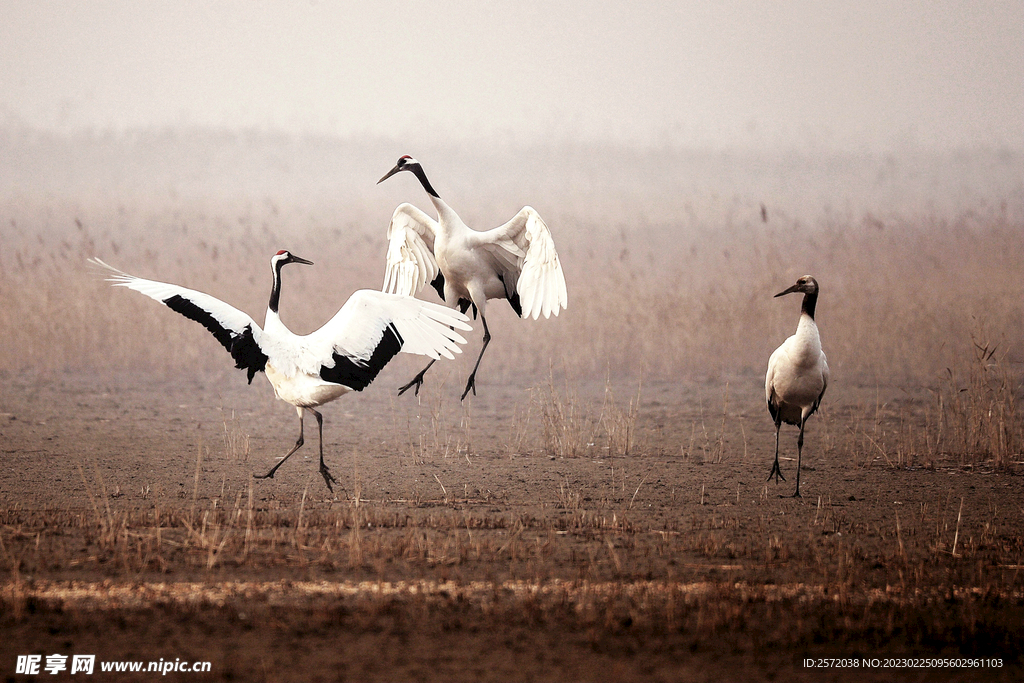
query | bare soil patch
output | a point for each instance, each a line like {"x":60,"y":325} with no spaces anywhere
{"x":462,"y":549}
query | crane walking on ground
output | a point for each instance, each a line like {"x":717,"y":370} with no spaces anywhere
{"x":307,"y":371}
{"x":797,"y":375}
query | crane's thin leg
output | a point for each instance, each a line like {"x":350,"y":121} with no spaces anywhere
{"x":471,"y":384}
{"x":417,"y":381}
{"x":799,"y":456}
{"x":297,"y":446}
{"x":328,"y":477}
{"x":776,"y":472}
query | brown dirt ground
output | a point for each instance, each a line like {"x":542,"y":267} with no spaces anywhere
{"x":461,"y":549}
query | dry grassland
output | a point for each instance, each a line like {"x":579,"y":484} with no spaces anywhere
{"x":602,"y":500}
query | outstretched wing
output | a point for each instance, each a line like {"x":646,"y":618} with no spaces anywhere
{"x":372,"y":327}
{"x":524,"y":251}
{"x":235,"y":330}
{"x":410,"y":258}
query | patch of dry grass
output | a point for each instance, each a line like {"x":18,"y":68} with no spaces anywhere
{"x":952,"y":541}
{"x":977,"y":414}
{"x":574,"y":427}
{"x":665,"y":282}
{"x":668,"y":282}
{"x":570,"y":426}
{"x":676,"y":283}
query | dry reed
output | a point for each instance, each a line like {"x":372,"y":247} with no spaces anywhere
{"x":670,"y":284}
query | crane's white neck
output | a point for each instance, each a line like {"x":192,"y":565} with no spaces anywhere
{"x":807,"y":335}
{"x":272,"y":324}
{"x":446,"y":215}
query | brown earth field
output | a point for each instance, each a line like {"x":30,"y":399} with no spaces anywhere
{"x":599,"y":512}
{"x":597,"y":531}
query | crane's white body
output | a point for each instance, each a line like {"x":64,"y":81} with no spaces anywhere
{"x":797,"y":374}
{"x":518,"y":257}
{"x":303,"y":390}
{"x":516,"y":261}
{"x":294,"y":361}
{"x":310,"y":370}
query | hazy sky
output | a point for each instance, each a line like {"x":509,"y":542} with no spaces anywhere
{"x":869,"y":73}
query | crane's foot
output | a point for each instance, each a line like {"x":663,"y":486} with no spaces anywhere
{"x":776,"y":472}
{"x":328,"y":477}
{"x":417,"y":382}
{"x":470,"y":385}
{"x":796,"y":494}
{"x":268,"y":475}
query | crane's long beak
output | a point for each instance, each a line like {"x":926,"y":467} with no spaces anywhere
{"x":296,"y":259}
{"x":794,"y":288}
{"x":390,"y":173}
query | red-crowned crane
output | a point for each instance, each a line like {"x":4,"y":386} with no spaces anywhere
{"x":515,"y":261}
{"x":307,"y":371}
{"x":797,"y":375}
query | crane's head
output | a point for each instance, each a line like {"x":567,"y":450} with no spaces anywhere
{"x":405,"y":163}
{"x":285,"y":257}
{"x":806,"y":284}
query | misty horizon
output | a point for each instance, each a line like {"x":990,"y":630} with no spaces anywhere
{"x":806,"y":75}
